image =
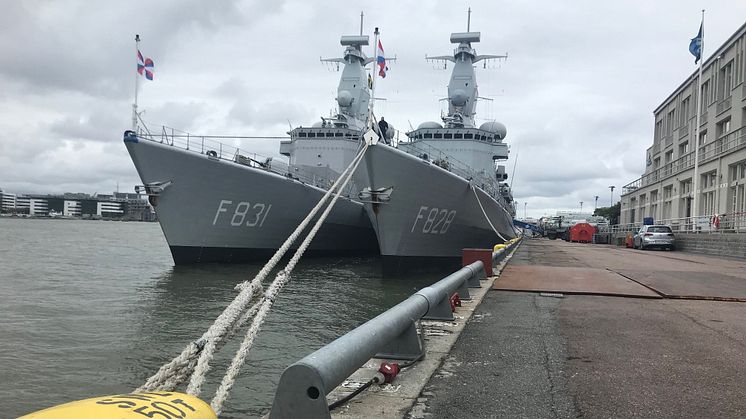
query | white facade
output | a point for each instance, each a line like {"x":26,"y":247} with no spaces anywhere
{"x":7,"y":201}
{"x":664,"y":192}
{"x":71,"y":209}
{"x":38,"y":206}
{"x":109,"y":207}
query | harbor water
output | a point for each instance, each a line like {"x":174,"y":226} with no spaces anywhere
{"x":92,"y":308}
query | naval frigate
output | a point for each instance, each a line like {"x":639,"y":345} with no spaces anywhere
{"x":217,"y":203}
{"x":442,"y":189}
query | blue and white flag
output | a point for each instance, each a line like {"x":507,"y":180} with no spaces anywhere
{"x":695,"y":47}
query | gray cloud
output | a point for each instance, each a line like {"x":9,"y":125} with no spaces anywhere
{"x":576,"y":93}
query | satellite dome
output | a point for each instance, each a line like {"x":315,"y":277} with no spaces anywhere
{"x":344,"y":98}
{"x":429,"y":124}
{"x":495,"y":127}
{"x":458,"y":98}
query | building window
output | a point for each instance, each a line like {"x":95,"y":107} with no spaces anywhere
{"x":709,"y":179}
{"x":684,"y":111}
{"x":656,"y":162}
{"x":686,"y":187}
{"x":659,"y":129}
{"x":706,"y":94}
{"x":723,"y":128}
{"x":725,"y":81}
{"x":683,"y":148}
{"x":668,"y":157}
{"x":702,"y":138}
{"x":670,"y":118}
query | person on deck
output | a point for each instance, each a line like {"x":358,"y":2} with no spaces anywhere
{"x":383,"y":126}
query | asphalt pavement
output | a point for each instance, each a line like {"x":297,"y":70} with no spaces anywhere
{"x":556,"y":355}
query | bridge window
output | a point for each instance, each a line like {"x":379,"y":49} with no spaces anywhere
{"x":458,"y":135}
{"x":437,"y":135}
{"x":468,"y":136}
{"x":311,"y":134}
{"x":447,"y":135}
{"x":337,"y":134}
{"x":330,"y":134}
{"x":428,"y":135}
{"x":301,"y":134}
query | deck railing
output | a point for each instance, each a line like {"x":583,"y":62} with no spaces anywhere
{"x":727,"y":143}
{"x":710,"y":224}
{"x":213,"y":147}
{"x":453,"y":165}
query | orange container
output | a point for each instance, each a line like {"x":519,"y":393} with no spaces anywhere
{"x":582,"y":233}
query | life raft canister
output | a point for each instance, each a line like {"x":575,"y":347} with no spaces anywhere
{"x":159,"y":405}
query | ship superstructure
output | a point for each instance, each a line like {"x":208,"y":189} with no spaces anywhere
{"x":442,"y":190}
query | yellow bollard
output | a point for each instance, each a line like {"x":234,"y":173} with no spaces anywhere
{"x":160,"y":404}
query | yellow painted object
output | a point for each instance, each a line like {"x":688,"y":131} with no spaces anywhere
{"x":498,"y":247}
{"x":157,"y":405}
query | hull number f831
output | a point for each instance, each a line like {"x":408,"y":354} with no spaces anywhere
{"x":243,"y":213}
{"x":433,"y":220}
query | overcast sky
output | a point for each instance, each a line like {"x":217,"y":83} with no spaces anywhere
{"x":576,"y":93}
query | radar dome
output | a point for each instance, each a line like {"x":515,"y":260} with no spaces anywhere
{"x":496,"y":128}
{"x":458,"y":98}
{"x":429,"y":124}
{"x":318,"y":124}
{"x":344,"y":98}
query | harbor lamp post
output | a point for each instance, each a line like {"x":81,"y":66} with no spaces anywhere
{"x":595,"y":206}
{"x":581,"y":207}
{"x":611,"y":201}
{"x":524,"y":211}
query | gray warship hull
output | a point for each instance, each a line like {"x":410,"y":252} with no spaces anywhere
{"x":431,"y":214}
{"x":216,"y":210}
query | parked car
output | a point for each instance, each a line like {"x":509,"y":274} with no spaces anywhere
{"x":651,"y":236}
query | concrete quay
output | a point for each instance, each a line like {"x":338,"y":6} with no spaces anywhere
{"x":581,"y":330}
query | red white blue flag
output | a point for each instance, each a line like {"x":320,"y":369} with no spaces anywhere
{"x":144,"y":66}
{"x":381,"y":60}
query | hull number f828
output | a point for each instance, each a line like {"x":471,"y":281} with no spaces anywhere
{"x":433,"y":220}
{"x":243,"y":213}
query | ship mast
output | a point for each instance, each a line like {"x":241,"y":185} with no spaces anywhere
{"x":137,"y":86}
{"x":371,"y":117}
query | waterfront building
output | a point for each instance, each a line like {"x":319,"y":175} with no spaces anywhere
{"x":7,"y":202}
{"x":121,"y":206}
{"x":664,"y":192}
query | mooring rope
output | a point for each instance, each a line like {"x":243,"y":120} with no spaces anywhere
{"x":473,"y":188}
{"x":195,"y":358}
{"x":269,"y":298}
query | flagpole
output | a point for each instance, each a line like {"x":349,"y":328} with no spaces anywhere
{"x":137,"y":86}
{"x":695,"y":183}
{"x":373,"y":85}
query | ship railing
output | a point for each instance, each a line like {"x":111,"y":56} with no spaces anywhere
{"x":214,"y":147}
{"x":448,"y":162}
{"x":304,"y":385}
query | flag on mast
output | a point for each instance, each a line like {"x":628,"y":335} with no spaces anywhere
{"x":144,"y":66}
{"x":381,"y":60}
{"x":695,"y":46}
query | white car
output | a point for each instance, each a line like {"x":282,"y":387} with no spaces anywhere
{"x":651,"y":236}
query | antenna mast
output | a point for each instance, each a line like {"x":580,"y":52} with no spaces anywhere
{"x":137,"y":81}
{"x":373,"y":87}
{"x":361,"y":23}
{"x":468,"y":21}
